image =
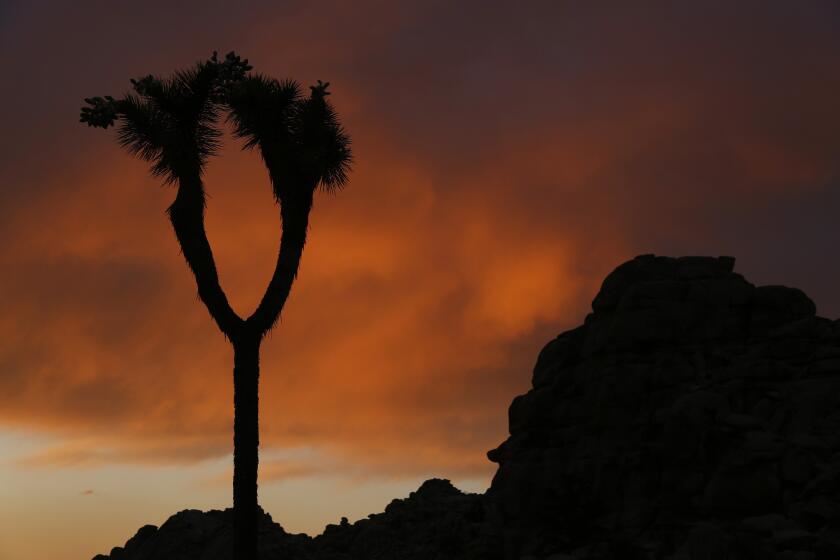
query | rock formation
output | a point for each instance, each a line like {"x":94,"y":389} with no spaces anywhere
{"x":693,"y":416}
{"x":194,"y":535}
{"x":437,"y":522}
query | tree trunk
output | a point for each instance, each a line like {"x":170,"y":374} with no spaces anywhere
{"x":187,"y":216}
{"x":246,"y":441}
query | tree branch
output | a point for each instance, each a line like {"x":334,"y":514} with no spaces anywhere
{"x":187,"y":217}
{"x":294,"y":213}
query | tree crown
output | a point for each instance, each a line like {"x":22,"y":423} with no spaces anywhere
{"x":172,"y":123}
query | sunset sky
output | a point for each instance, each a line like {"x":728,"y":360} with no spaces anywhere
{"x":508,"y":155}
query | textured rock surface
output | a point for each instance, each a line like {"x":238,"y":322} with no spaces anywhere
{"x":693,"y":416}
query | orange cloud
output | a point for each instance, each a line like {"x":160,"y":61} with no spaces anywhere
{"x":501,"y":173}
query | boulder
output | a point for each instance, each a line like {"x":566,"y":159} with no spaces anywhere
{"x":692,"y":414}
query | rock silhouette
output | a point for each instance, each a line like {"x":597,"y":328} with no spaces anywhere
{"x":693,"y":416}
{"x":437,"y":521}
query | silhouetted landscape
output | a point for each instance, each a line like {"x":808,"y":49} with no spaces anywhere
{"x":420,"y":280}
{"x":692,"y":416}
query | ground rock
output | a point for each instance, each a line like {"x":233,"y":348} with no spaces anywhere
{"x":436,"y":522}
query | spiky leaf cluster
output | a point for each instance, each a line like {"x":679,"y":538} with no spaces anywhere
{"x":171,"y":122}
{"x":300,"y":138}
{"x":262,"y":110}
{"x":322,"y":145}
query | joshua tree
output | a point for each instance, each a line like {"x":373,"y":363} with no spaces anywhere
{"x":172,"y":123}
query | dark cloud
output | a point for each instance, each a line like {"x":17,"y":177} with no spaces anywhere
{"x":507,"y":159}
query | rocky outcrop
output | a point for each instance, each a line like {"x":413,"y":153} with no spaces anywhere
{"x":193,"y":534}
{"x":437,"y":522}
{"x":692,"y":416}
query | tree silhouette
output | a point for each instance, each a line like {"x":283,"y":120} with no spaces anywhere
{"x":172,"y":123}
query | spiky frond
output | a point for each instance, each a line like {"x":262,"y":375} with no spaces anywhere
{"x":323,"y":146}
{"x":143,"y":133}
{"x":171,"y":122}
{"x":262,"y":109}
{"x":301,"y":139}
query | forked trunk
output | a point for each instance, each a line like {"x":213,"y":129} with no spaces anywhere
{"x":246,"y":350}
{"x":246,"y":441}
